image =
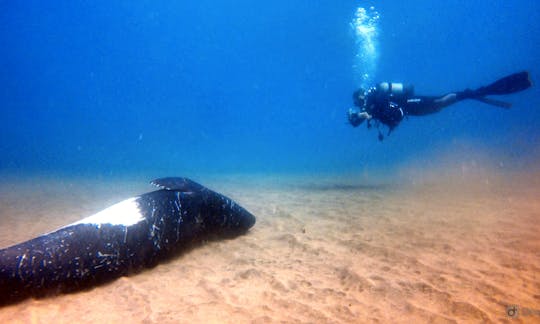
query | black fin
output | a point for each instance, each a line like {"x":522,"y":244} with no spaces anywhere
{"x":180,"y":184}
{"x":509,"y":84}
{"x":493,"y":102}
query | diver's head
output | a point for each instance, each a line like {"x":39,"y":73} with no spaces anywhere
{"x":359,"y":98}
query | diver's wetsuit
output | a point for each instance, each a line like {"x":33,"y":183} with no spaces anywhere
{"x":390,"y":109}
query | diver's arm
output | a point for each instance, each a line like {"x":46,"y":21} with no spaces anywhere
{"x":364,"y":115}
{"x":356,"y":118}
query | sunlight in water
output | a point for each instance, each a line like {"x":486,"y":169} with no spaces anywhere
{"x":365,"y":28}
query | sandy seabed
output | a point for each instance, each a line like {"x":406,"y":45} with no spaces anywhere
{"x":456,"y":248}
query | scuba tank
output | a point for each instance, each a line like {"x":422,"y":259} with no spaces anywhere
{"x":395,"y":91}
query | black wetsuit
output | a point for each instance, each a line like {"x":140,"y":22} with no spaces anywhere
{"x":390,"y":109}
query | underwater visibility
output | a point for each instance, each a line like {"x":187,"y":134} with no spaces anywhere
{"x":351,"y":162}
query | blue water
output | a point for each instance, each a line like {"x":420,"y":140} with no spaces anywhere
{"x":188,"y":87}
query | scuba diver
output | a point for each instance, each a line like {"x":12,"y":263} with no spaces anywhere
{"x":388,"y":103}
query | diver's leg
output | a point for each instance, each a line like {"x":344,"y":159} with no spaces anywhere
{"x":447,"y":100}
{"x":420,"y":106}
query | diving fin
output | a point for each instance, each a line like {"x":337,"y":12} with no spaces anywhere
{"x":509,"y":84}
{"x":494,"y":102}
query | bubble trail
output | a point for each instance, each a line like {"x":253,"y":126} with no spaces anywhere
{"x":365,"y":29}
